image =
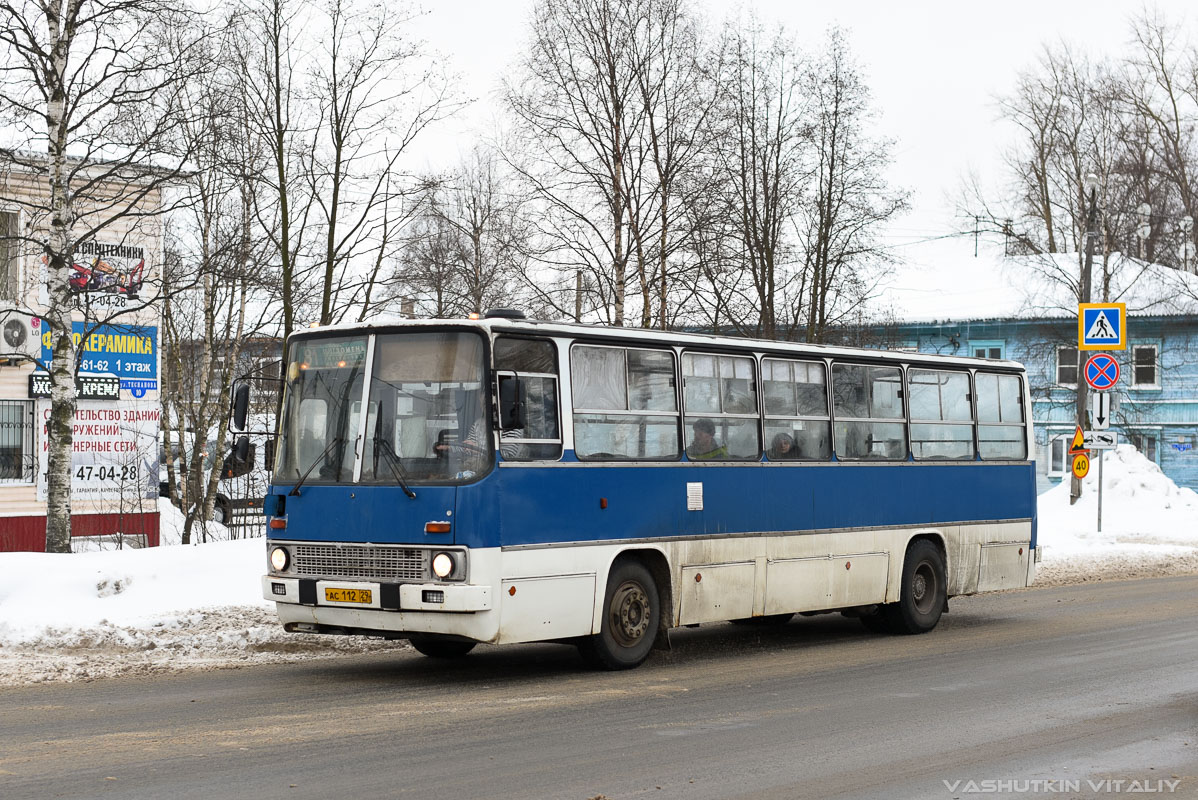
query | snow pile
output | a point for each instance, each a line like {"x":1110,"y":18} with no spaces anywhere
{"x":129,"y":611}
{"x":1149,"y":524}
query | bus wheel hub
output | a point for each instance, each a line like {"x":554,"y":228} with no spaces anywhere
{"x":632,"y":608}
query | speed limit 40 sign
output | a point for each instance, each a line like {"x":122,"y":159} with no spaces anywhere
{"x":1081,"y":465}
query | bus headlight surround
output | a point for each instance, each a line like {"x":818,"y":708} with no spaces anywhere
{"x":279,"y":559}
{"x":443,"y":565}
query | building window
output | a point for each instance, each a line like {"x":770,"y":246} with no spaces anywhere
{"x":1058,"y":455}
{"x":16,"y":441}
{"x":10,"y":263}
{"x":1145,"y":442}
{"x":1144,"y":367}
{"x":1067,"y":366}
{"x":988,"y":349}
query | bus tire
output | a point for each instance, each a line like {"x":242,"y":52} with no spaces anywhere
{"x":437,"y":647}
{"x":631,"y":615}
{"x":922,"y":594}
{"x":221,"y":512}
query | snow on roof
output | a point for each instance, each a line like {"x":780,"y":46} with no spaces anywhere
{"x":943,"y":280}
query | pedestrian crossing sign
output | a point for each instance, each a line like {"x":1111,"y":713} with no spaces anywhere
{"x":1102,"y":326}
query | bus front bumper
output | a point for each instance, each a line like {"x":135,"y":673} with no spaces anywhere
{"x":366,"y":595}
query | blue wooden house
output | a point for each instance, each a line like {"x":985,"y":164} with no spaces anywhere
{"x":997,"y":307}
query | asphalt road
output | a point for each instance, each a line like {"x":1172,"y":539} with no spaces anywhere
{"x":1043,"y":687}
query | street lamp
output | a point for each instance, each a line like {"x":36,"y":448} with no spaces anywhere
{"x":1187,"y":227}
{"x":1144,"y":229}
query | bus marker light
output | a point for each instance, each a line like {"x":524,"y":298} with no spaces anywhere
{"x":278,"y":523}
{"x":603,"y":502}
{"x":848,"y":565}
{"x":698,"y":577}
{"x":1021,"y":551}
{"x":512,"y":591}
{"x":436,"y":527}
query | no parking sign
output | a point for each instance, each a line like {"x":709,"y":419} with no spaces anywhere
{"x":1101,"y":372}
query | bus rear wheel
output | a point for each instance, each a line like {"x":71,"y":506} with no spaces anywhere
{"x":437,"y":647}
{"x":631,"y":615}
{"x":922,"y":597}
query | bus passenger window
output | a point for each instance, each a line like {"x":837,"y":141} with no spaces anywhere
{"x":527,"y":370}
{"x":1000,"y":417}
{"x":625,"y":403}
{"x":868,"y":408}
{"x":795,"y":397}
{"x":720,"y":394}
{"x":941,"y":419}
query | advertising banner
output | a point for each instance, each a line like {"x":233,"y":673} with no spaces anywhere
{"x":114,"y":452}
{"x":106,"y":274}
{"x":129,"y":352}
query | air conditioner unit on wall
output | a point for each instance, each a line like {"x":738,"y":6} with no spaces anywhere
{"x":20,"y":335}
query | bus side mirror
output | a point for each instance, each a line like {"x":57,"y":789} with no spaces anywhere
{"x":241,"y":406}
{"x":512,"y":415}
{"x":243,"y":450}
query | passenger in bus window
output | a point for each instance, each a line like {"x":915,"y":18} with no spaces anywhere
{"x":704,"y":447}
{"x":783,"y":447}
{"x":513,"y":451}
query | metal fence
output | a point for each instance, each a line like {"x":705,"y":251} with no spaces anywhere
{"x":18,"y":462}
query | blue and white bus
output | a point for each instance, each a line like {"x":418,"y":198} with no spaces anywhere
{"x":505,"y":480}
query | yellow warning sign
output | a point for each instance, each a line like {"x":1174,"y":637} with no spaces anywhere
{"x":1078,"y":445}
{"x":1081,"y":465}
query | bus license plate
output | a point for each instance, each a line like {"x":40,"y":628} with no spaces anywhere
{"x":347,"y":596}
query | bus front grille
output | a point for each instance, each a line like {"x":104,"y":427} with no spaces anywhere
{"x":367,"y":562}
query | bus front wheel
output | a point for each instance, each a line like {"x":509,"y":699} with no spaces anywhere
{"x":923,"y":590}
{"x":631,"y":615}
{"x":436,"y":647}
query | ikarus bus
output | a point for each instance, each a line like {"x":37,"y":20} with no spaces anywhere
{"x":505,"y":480}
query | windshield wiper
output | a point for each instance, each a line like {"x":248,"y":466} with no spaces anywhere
{"x":333,"y":443}
{"x":392,"y":458}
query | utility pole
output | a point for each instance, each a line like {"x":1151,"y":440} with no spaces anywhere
{"x":1075,"y":484}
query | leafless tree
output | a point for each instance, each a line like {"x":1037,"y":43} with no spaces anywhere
{"x":374,"y":91}
{"x":92,"y":99}
{"x":760,"y":167}
{"x":848,"y":198}
{"x":222,"y":267}
{"x":467,"y":251}
{"x":576,"y":102}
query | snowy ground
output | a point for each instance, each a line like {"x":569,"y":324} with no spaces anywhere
{"x":123,"y":612}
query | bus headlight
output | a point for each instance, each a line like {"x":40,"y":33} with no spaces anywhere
{"x":443,"y":565}
{"x":279,"y":559}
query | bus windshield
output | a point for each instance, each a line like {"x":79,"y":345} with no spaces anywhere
{"x":426,"y":418}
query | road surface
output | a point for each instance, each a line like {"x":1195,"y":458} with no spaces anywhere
{"x":1044,"y":688}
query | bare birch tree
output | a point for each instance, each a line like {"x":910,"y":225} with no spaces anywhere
{"x":93,"y":99}
{"x":848,"y":198}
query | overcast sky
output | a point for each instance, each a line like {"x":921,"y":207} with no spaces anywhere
{"x":934,"y":68}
